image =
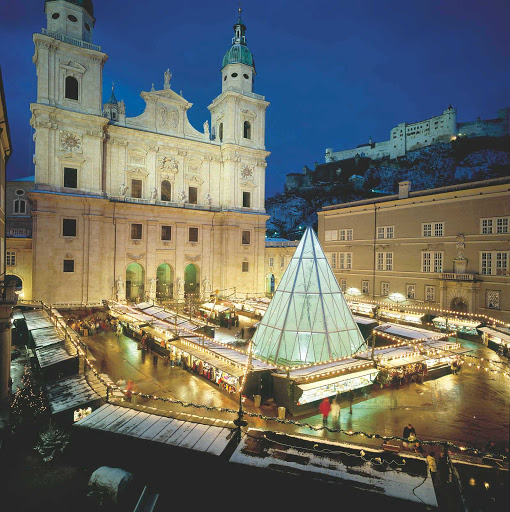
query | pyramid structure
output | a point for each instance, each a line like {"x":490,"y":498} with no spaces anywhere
{"x":308,"y":320}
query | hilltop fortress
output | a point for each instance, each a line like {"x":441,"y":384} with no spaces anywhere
{"x":409,"y":137}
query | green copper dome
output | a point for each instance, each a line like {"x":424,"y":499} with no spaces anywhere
{"x":239,"y":52}
{"x":86,"y":4}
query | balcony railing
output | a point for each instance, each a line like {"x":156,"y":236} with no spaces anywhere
{"x":19,"y":233}
{"x":71,"y":40}
{"x":458,"y":277}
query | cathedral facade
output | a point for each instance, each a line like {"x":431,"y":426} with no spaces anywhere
{"x":147,"y":206}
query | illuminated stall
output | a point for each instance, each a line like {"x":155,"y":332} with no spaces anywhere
{"x":496,"y":340}
{"x":401,"y":316}
{"x":463,"y":326}
{"x":362,"y":308}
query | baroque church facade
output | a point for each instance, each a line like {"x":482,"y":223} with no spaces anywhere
{"x":146,"y":206}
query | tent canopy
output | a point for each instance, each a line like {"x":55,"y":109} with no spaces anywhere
{"x":308,"y":320}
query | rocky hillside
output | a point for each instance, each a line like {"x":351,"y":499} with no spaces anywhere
{"x":461,"y":161}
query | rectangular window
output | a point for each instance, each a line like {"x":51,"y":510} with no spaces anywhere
{"x":68,"y":227}
{"x":246,"y":199}
{"x":384,"y":261}
{"x":245,"y":266}
{"x":11,"y":258}
{"x":486,"y":226}
{"x":389,"y":261}
{"x":193,"y":195}
{"x":333,"y":259}
{"x":136,"y":231}
{"x":192,"y":234}
{"x":433,"y":229}
{"x":426,"y":262}
{"x":68,"y":266}
{"x":430,"y":293}
{"x":20,"y":206}
{"x":427,"y":229}
{"x":343,"y":285}
{"x":271,"y":262}
{"x":385,"y":289}
{"x":345,"y":260}
{"x":411,"y":291}
{"x":282,"y":262}
{"x":364,"y":287}
{"x":246,"y":237}
{"x":331,"y":235}
{"x":166,"y":233}
{"x":70,"y":177}
{"x":502,"y":225}
{"x":438,"y":228}
{"x":486,"y":266}
{"x":492,"y":299}
{"x":390,"y":232}
{"x":380,"y":232}
{"x":501,"y":263}
{"x":136,"y":189}
{"x":438,"y":262}
{"x":345,"y":234}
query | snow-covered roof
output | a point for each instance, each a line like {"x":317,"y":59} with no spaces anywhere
{"x":308,"y":320}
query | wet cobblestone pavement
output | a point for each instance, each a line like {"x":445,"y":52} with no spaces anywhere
{"x":469,"y":408}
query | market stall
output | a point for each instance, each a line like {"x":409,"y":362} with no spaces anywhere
{"x":386,"y":333}
{"x":302,"y":389}
{"x":400,"y":316}
{"x":365,"y":325}
{"x":464,"y":327}
{"x":362,"y":308}
{"x":496,"y":340}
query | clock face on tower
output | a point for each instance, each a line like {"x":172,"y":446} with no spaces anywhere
{"x":70,"y":141}
{"x":247,"y":173}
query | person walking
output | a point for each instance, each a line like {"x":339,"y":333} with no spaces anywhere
{"x":325,"y":409}
{"x":432,"y":465}
{"x":409,"y":434}
{"x":335,"y":411}
{"x":443,"y":468}
{"x":350,"y":396}
{"x":129,"y":389}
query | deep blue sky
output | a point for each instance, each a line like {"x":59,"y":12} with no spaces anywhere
{"x":335,"y":72}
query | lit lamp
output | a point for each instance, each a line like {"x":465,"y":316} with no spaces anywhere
{"x":396,"y":297}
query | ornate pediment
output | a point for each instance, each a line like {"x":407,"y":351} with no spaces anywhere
{"x":167,"y":165}
{"x":137,"y":157}
{"x":193,"y":178}
{"x":137,"y":171}
{"x":135,"y":257}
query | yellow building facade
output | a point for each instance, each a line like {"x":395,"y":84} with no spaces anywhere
{"x":443,"y":248}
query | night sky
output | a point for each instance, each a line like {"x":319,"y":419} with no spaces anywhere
{"x":335,"y":72}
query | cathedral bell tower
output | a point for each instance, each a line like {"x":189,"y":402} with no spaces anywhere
{"x":69,"y":65}
{"x":238,"y":114}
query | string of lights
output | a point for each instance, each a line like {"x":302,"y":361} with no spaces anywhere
{"x":77,"y":342}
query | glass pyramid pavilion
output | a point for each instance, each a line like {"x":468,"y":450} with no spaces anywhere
{"x":308,"y":320}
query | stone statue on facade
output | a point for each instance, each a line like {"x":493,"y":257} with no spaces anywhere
{"x":206,"y":129}
{"x":168,"y":77}
{"x":182,"y":196}
{"x":179,"y":287}
{"x":206,"y":288}
{"x":152,"y":288}
{"x":154,"y":193}
{"x":208,"y":199}
{"x":122,"y":190}
{"x":121,"y":292}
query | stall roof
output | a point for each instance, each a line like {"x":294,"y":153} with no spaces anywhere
{"x":314,"y":371}
{"x":70,"y":393}
{"x":210,"y":439}
{"x":37,"y":320}
{"x":209,"y":306}
{"x":496,"y":334}
{"x":153,"y":310}
{"x":54,"y":354}
{"x":144,"y":305}
{"x":17,"y":314}
{"x":401,"y":351}
{"x":229,"y":368}
{"x":364,"y":321}
{"x":445,"y":345}
{"x":412,"y":333}
{"x":404,"y":361}
{"x":45,"y":337}
{"x":334,"y":380}
{"x":457,"y":321}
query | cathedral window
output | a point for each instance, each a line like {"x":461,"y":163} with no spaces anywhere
{"x":193,"y":195}
{"x":193,"y":235}
{"x":166,"y":233}
{"x":87,"y":27}
{"x":114,"y":116}
{"x":246,"y":199}
{"x":72,"y":18}
{"x":247,"y":130}
{"x":166,"y":191}
{"x":246,"y":238}
{"x":136,"y":231}
{"x":70,"y":177}
{"x":234,"y":75}
{"x":69,"y":227}
{"x":246,"y":76}
{"x":136,"y":188}
{"x":71,"y":88}
{"x":55,"y":15}
{"x":220,"y":131}
{"x":68,"y":266}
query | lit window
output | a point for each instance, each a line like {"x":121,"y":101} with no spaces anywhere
{"x":343,"y":285}
{"x":136,"y":231}
{"x":410,"y":291}
{"x":501,"y":263}
{"x":486,"y":266}
{"x":331,"y":235}
{"x":385,"y":289}
{"x":345,"y":260}
{"x":430,"y":293}
{"x":10,"y":258}
{"x":384,"y":261}
{"x":364,"y":287}
{"x":345,"y":234}
{"x":385,"y":232}
{"x":333,"y":259}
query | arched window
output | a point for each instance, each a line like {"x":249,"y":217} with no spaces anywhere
{"x":71,"y":88}
{"x":247,"y":130}
{"x":20,"y":206}
{"x":220,"y":132}
{"x":166,"y":191}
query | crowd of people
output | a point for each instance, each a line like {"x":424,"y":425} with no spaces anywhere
{"x":93,"y":325}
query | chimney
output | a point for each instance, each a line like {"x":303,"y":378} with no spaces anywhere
{"x":404,"y":187}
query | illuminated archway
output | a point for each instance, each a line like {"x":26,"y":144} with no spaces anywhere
{"x":165,"y":282}
{"x":459,"y":304}
{"x":191,"y":280}
{"x":135,"y":282}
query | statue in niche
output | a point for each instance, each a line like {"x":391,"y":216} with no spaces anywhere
{"x":154,"y":193}
{"x":182,"y":196}
{"x":208,"y":199}
{"x":152,"y":287}
{"x":123,"y":190}
{"x":120,"y":287}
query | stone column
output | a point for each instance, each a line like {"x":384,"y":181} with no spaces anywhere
{"x":6,"y":304}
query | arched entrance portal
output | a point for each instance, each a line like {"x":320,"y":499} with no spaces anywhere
{"x":270,"y":284}
{"x":459,"y":304}
{"x":165,"y":283}
{"x":18,"y":283}
{"x":135,"y":280}
{"x":191,"y":280}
